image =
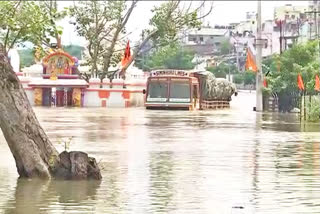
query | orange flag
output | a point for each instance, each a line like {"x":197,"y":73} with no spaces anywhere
{"x":317,"y":85}
{"x":265,"y":83}
{"x":250,"y":62}
{"x":300,"y":82}
{"x":127,"y":55}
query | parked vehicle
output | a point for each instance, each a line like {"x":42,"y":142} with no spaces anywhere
{"x":179,"y":89}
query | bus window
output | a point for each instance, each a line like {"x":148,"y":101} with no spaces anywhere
{"x":180,"y":91}
{"x":157,"y":91}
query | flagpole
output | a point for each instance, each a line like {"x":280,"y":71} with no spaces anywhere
{"x":259,"y":106}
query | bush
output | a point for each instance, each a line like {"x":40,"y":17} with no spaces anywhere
{"x":238,"y":78}
{"x":313,"y":112}
{"x":173,"y":56}
{"x":249,"y":78}
{"x":217,"y":72}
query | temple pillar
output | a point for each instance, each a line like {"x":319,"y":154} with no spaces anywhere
{"x":65,"y":97}
{"x":53,"y":97}
{"x":82,"y":96}
{"x":38,"y":96}
{"x":76,"y":97}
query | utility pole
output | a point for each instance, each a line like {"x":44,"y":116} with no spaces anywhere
{"x":315,"y":12}
{"x":280,"y":38}
{"x":259,"y":44}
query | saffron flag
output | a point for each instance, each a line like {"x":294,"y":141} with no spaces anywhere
{"x":265,"y":83}
{"x":250,"y":61}
{"x":300,"y":82}
{"x":127,"y":55}
{"x":317,"y":85}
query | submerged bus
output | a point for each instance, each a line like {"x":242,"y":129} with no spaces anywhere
{"x":172,"y":89}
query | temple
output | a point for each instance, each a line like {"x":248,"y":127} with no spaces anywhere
{"x":55,"y":82}
{"x":60,"y":84}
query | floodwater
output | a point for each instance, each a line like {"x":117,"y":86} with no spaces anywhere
{"x":201,"y":162}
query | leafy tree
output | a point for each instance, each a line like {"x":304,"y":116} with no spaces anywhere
{"x":26,"y":57}
{"x":34,"y":154}
{"x":223,"y":69}
{"x":284,"y":69}
{"x":301,"y":58}
{"x":168,"y":20}
{"x":249,"y":78}
{"x":171,"y":57}
{"x":225,"y":47}
{"x":238,"y":78}
{"x":101,"y":23}
{"x":22,"y":21}
{"x":74,"y":50}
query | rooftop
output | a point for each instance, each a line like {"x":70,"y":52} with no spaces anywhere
{"x":209,"y":31}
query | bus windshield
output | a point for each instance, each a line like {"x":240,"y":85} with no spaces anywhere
{"x":179,"y":91}
{"x":157,"y":91}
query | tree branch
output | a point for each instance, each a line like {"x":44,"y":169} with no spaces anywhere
{"x":136,"y":52}
{"x":110,"y":50}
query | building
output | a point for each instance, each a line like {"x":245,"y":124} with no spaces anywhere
{"x":56,"y":83}
{"x":313,"y":19}
{"x":207,"y":40}
{"x":289,"y":12}
{"x":290,"y":25}
{"x":246,"y":27}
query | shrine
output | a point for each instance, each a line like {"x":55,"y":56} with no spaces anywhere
{"x":60,"y":84}
{"x":54,"y":81}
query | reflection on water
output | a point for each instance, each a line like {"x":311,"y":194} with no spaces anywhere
{"x":36,"y":196}
{"x":176,"y":162}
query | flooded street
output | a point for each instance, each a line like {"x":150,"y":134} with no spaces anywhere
{"x":224,"y":161}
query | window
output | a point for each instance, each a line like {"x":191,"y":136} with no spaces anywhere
{"x":157,"y":91}
{"x":180,"y":91}
{"x":191,"y":38}
{"x":201,"y":38}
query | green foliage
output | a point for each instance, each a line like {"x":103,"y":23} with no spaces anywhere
{"x":300,"y":59}
{"x":249,"y":78}
{"x":98,"y":22}
{"x":225,"y":47}
{"x":238,"y":78}
{"x":170,"y":57}
{"x":168,"y":19}
{"x":222,"y":70}
{"x":26,"y":57}
{"x":313,"y":113}
{"x":284,"y":69}
{"x":66,"y":143}
{"x":74,"y":50}
{"x":22,"y":21}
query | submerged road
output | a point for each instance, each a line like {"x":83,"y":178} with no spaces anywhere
{"x":223,"y":161}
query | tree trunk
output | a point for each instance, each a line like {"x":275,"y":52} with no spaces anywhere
{"x":31,"y":148}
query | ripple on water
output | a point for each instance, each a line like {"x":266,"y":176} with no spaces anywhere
{"x":176,"y":162}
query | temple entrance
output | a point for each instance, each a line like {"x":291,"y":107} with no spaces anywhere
{"x":60,"y":97}
{"x":64,"y":97}
{"x":46,"y":97}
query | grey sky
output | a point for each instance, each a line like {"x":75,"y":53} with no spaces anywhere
{"x":224,"y":12}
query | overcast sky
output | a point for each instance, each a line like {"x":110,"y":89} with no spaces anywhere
{"x":224,"y":12}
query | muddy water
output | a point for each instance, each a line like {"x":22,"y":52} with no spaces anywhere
{"x":226,"y":161}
